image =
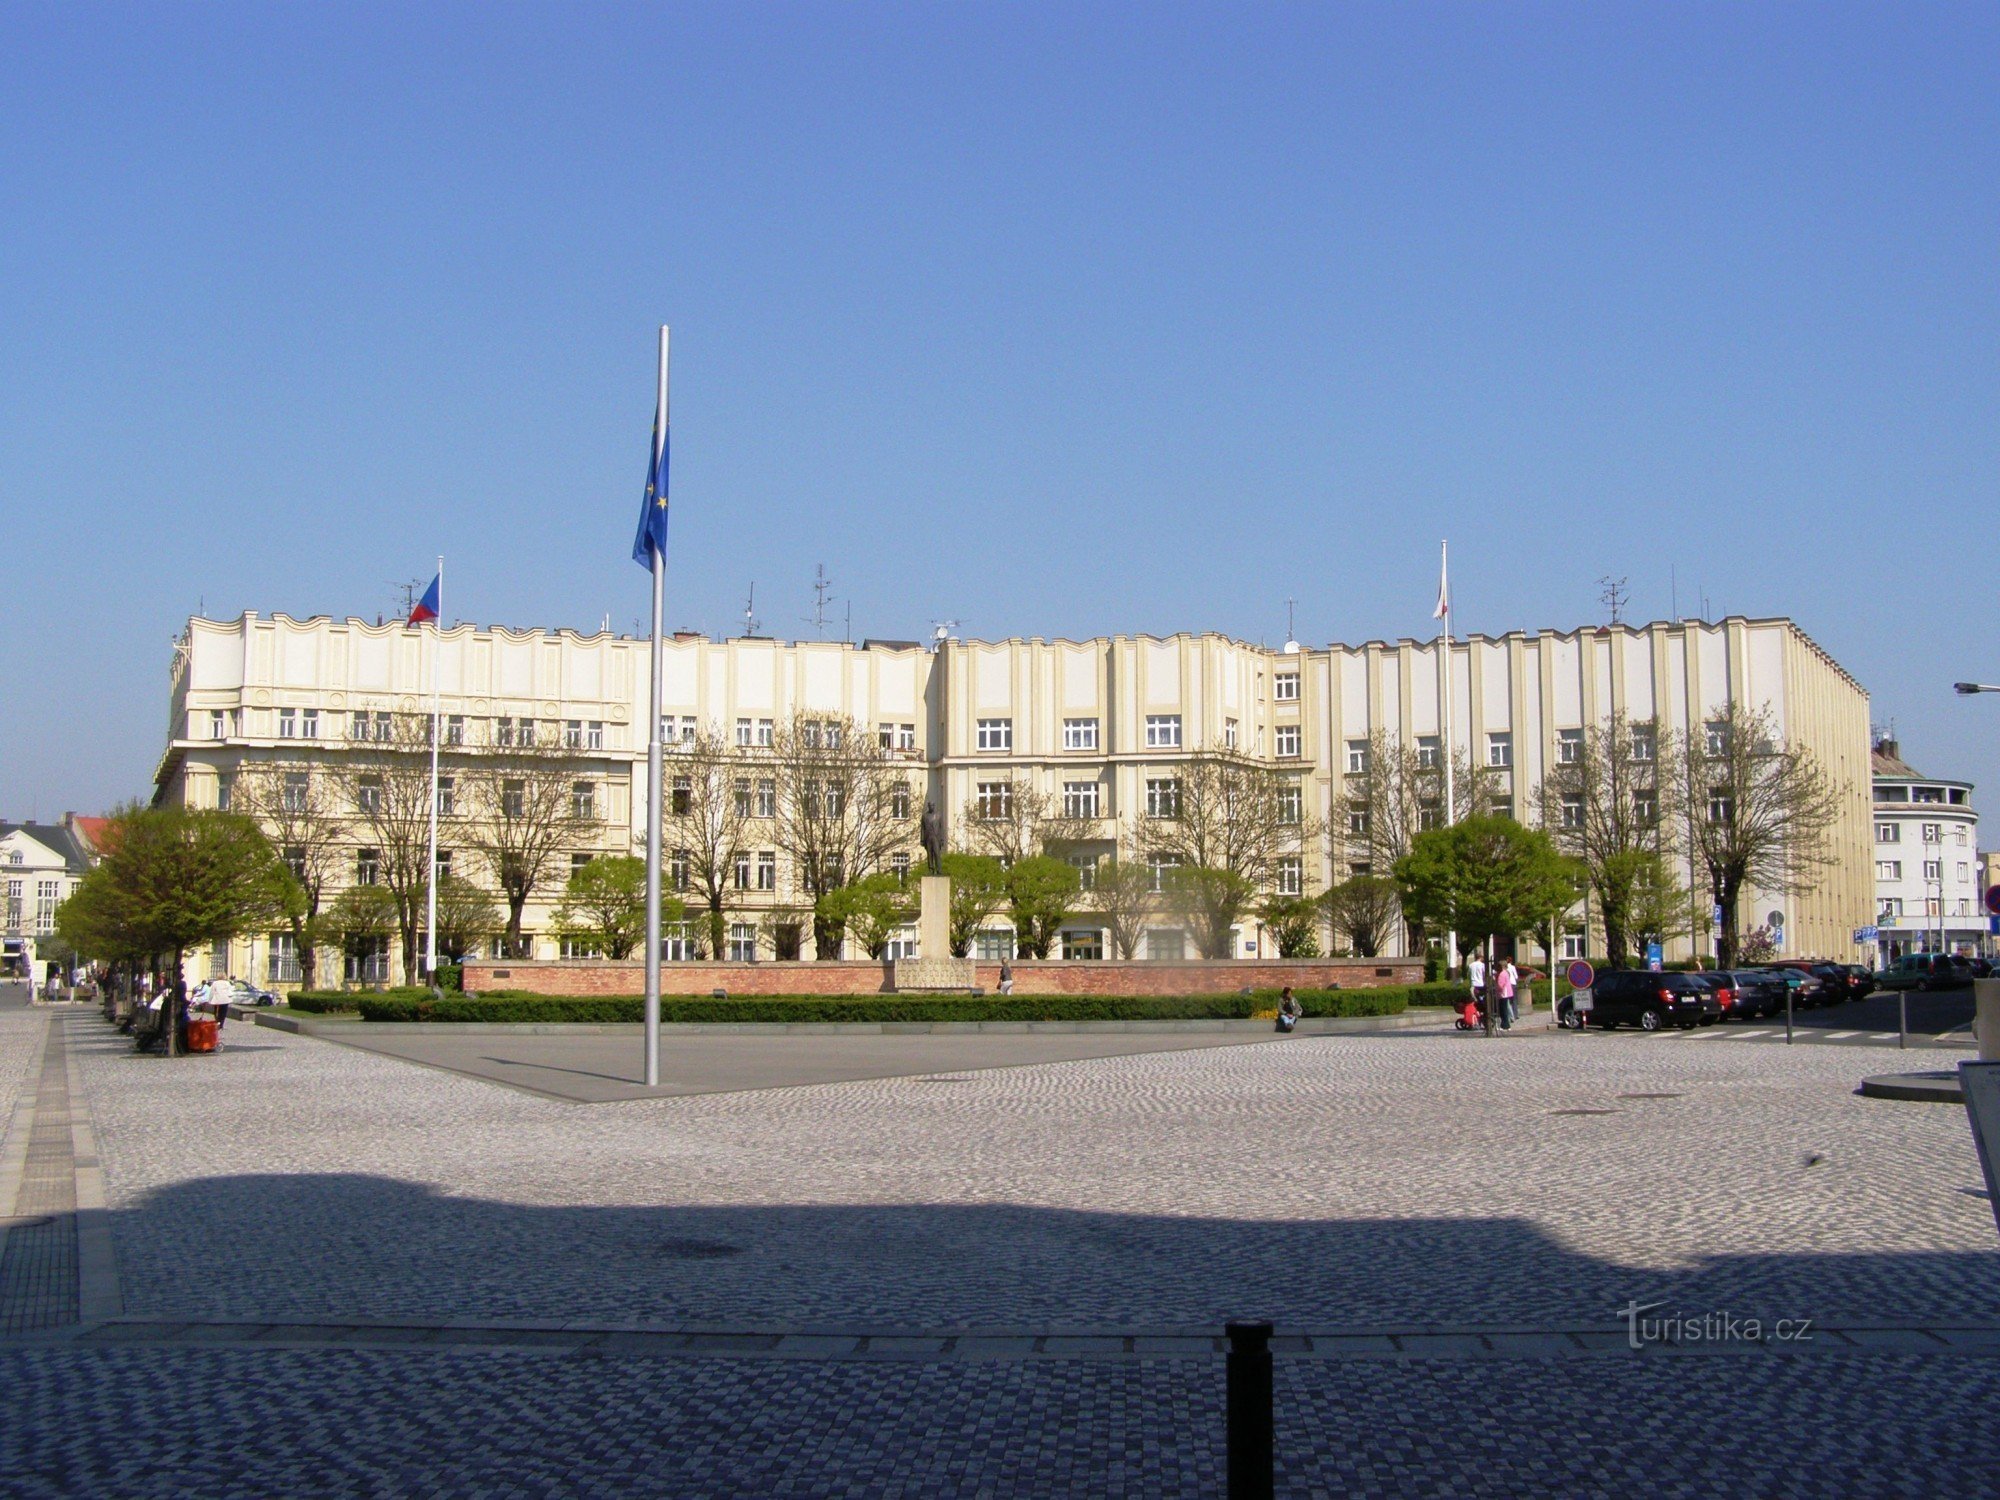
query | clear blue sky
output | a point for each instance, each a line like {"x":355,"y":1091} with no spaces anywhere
{"x":1052,"y":319}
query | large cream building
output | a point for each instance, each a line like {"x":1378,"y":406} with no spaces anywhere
{"x":1090,"y":723}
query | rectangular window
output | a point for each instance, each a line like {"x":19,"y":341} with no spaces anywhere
{"x":740,"y":870}
{"x":1357,"y":757}
{"x":742,"y":942}
{"x":1721,"y":805}
{"x":1429,"y":752}
{"x":1964,"y":870}
{"x":1646,"y":808}
{"x":767,"y":798}
{"x":1085,"y":945}
{"x":583,"y":801}
{"x":993,"y":944}
{"x":1229,"y":734}
{"x":836,"y":799}
{"x":1888,"y":833}
{"x":1163,"y":797}
{"x":885,"y":736}
{"x":367,"y":866}
{"x":1079,"y":734}
{"x":899,"y":864}
{"x":1892,"y":906}
{"x":1291,"y":803}
{"x":1888,"y":869}
{"x":679,"y":869}
{"x":593,"y":735}
{"x":297,"y":795}
{"x":1575,"y":945}
{"x":995,"y":734}
{"x":1500,"y":751}
{"x":1357,"y":822}
{"x":1569,"y":746}
{"x":1501,"y":807}
{"x":447,"y":796}
{"x":357,"y":726}
{"x":288,"y":723}
{"x":525,"y":731}
{"x":454,"y":729}
{"x":368,"y":794}
{"x":1080,"y":799}
{"x":580,"y":947}
{"x":1933,"y":833}
{"x":573,"y":734}
{"x":1645,"y":742}
{"x":994,"y":800}
{"x":385,"y":730}
{"x":743,"y":732}
{"x":767,"y":869}
{"x":1933,"y":869}
{"x":1291,"y":875}
{"x":295,"y":860}
{"x":1717,"y":736}
{"x":680,"y":796}
{"x":678,"y":942}
{"x":1086,"y":871}
{"x":687,"y":730}
{"x":578,"y":859}
{"x":1163,"y":731}
{"x":513,"y":799}
{"x":742,"y":795}
{"x":902,"y":943}
{"x":1285,"y":687}
{"x":218,"y":724}
{"x":503,"y":730}
{"x":1288,"y":742}
{"x":443,"y":865}
{"x":284,"y":961}
{"x":899,"y":799}
{"x":1166,"y":944}
{"x":1161,"y":865}
{"x":308,"y":723}
{"x":1430,"y":814}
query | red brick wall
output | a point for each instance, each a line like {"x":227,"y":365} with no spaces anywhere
{"x":1193,"y":977}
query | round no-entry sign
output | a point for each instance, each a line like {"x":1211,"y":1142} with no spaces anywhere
{"x":1993,"y":899}
{"x":1580,"y":975}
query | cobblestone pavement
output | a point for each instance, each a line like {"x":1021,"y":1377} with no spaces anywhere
{"x":351,"y":1422}
{"x":1332,"y":1183}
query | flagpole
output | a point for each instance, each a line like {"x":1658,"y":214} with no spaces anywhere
{"x":1450,"y":791}
{"x":431,"y":880}
{"x":653,"y":768}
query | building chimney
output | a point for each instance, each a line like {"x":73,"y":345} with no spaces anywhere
{"x":1889,"y":748}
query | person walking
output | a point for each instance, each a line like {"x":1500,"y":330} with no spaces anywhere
{"x":1475,"y":974}
{"x":1006,"y":977}
{"x":1504,"y":980}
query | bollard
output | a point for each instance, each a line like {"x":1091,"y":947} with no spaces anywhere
{"x":1788,"y":1015}
{"x":1902,"y":1018}
{"x":1251,"y":1447}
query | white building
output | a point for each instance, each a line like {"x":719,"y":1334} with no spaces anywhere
{"x":1927,"y":876}
{"x":40,"y":864}
{"x":1096,"y":725}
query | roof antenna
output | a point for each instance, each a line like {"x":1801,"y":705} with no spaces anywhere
{"x":1613,"y":596}
{"x":750,"y":620}
{"x":941,"y":631}
{"x":821,"y":598}
{"x":1674,"y":587}
{"x":1291,"y":631}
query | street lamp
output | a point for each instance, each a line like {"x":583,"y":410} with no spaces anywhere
{"x":1966,"y":689}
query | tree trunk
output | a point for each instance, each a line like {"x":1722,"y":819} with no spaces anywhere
{"x":715,"y":926}
{"x":826,"y":938}
{"x":515,"y":903}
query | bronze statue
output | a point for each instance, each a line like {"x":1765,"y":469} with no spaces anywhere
{"x":932,"y":832}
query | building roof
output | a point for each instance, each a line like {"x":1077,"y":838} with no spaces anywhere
{"x":1888,"y":761}
{"x":56,"y":839}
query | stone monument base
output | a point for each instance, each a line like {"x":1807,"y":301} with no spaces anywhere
{"x":933,"y":975}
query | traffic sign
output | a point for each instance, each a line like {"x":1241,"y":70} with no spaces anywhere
{"x":1993,"y":899}
{"x":1580,"y":975}
{"x":1654,"y":958}
{"x":1866,"y":934}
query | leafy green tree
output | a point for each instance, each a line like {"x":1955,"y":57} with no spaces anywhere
{"x":605,"y":903}
{"x":869,"y":909}
{"x":1294,"y":925}
{"x":1655,"y":901}
{"x":1211,"y":900}
{"x":1041,"y":894}
{"x":978,"y":890}
{"x":1124,"y":896}
{"x":1485,"y":877}
{"x":359,"y":915}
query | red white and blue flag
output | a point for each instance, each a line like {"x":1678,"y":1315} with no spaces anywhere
{"x":427,"y":607}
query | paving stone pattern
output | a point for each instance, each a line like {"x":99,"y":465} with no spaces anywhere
{"x":38,"y":1262}
{"x":160,"y":1423}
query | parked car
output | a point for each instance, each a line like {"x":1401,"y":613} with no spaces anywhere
{"x":1818,"y":990}
{"x":1926,"y":971}
{"x":1642,"y":998}
{"x":1807,"y":990}
{"x":1755,"y":993}
{"x":1841,"y":985}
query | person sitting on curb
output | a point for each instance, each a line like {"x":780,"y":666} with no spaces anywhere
{"x":1289,"y":1010}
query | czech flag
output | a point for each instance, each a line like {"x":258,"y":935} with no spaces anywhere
{"x":427,"y":607}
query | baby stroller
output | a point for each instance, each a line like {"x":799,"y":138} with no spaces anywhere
{"x":1470,"y":1016}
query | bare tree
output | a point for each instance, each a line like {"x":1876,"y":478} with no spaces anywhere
{"x":1013,"y":820}
{"x":1123,"y":895}
{"x":1398,"y":792}
{"x":465,"y":915}
{"x":711,"y":796}
{"x":1226,"y":821}
{"x":530,"y":805}
{"x":387,"y":784}
{"x":1365,"y":911}
{"x":1608,"y":806}
{"x":1759,"y":811}
{"x":843,"y":808}
{"x":300,"y":811}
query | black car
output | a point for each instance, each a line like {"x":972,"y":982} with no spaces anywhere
{"x":1840,"y":983}
{"x":1648,"y":1000}
{"x":1807,"y":990}
{"x":1753,"y":993}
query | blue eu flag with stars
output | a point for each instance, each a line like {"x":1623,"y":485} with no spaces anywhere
{"x":652,"y":535}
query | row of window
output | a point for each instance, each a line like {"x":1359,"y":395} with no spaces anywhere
{"x":377,"y":725}
{"x":1928,"y":833}
{"x":1892,"y":906}
{"x":1892,"y":869}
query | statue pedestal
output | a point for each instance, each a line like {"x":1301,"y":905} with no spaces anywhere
{"x":934,"y":968}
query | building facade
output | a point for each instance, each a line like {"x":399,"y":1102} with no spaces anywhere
{"x":1095,"y":727}
{"x":40,"y":864}
{"x":1927,"y":872}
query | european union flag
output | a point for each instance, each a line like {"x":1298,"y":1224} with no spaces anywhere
{"x":653,"y":515}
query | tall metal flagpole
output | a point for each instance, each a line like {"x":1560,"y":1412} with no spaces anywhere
{"x":431,"y":900}
{"x":653,"y":769}
{"x":1450,"y":792}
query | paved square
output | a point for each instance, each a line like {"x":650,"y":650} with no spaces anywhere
{"x":1008,"y":1281}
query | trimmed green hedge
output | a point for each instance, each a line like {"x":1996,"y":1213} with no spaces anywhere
{"x":521,"y":1007}
{"x":323,"y":1002}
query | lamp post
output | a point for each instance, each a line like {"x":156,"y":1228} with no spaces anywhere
{"x":1964,"y":690}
